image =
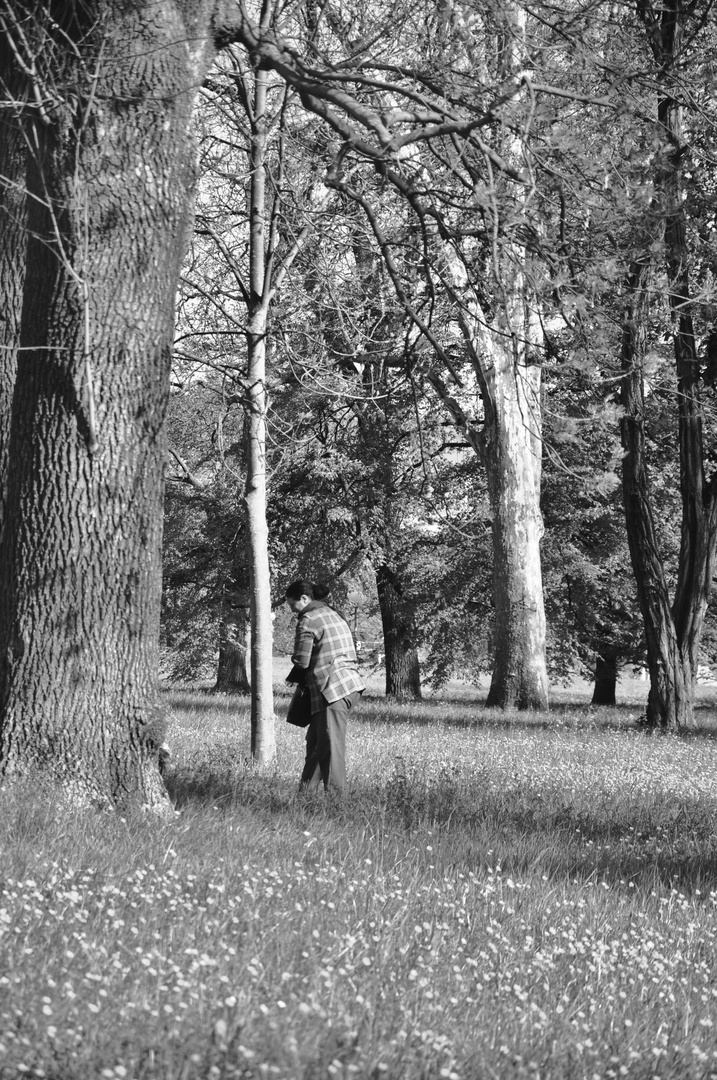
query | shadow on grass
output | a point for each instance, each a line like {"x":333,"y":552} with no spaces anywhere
{"x":460,"y":712}
{"x":204,"y":700}
{"x":647,"y":840}
{"x":563,"y":718}
{"x":462,"y":715}
{"x":201,"y":700}
{"x":661,"y":844}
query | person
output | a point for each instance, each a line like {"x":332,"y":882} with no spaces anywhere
{"x":324,"y":658}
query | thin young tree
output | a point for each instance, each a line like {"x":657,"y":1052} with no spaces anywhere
{"x":256,"y":204}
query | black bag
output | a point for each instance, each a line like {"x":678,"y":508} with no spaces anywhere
{"x":299,"y":711}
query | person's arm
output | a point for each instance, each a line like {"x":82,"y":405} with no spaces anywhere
{"x":303,"y":645}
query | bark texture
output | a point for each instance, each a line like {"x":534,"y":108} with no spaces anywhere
{"x":263,"y":737}
{"x":13,"y":243}
{"x":669,"y":698}
{"x":110,"y":181}
{"x":510,"y":376}
{"x":506,"y":360}
{"x":505,"y":347}
{"x":512,"y":455}
{"x":403,"y":673}
{"x":234,"y":657}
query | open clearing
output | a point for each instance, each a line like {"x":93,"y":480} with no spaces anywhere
{"x":500,"y":895}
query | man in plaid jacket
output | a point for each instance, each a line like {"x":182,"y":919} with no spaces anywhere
{"x":325,"y":658}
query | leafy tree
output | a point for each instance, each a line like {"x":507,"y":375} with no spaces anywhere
{"x":247,"y":240}
{"x":205,"y":594}
{"x":591,"y":603}
{"x":368,"y":476}
{"x":680,"y":39}
{"x":449,"y":104}
{"x":636,"y":237}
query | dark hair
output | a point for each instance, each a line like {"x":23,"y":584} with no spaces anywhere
{"x":314,"y":590}
{"x":300,"y":588}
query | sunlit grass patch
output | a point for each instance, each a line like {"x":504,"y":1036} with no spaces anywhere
{"x":497,"y":896}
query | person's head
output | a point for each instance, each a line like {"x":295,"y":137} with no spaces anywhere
{"x":299,"y":594}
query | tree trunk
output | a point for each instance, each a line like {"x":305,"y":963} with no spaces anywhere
{"x":510,"y":445}
{"x":110,"y":182}
{"x":234,"y":659}
{"x":512,"y":455}
{"x":672,"y":632}
{"x":605,"y":678}
{"x":699,"y":501}
{"x":13,"y":244}
{"x":263,"y":739}
{"x":246,"y":103}
{"x":505,"y":350}
{"x":669,"y":698}
{"x":403,"y":674}
{"x":510,"y":376}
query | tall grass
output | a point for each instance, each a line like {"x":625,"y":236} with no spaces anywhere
{"x":498,"y":896}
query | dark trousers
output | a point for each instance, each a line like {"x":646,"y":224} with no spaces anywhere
{"x":326,"y":745}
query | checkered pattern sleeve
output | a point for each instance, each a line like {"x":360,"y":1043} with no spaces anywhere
{"x":324,"y":646}
{"x":303,"y":643}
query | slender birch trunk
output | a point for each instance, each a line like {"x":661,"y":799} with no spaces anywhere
{"x":263,"y":739}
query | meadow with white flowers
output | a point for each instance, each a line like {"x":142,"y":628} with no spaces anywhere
{"x":498,"y":896}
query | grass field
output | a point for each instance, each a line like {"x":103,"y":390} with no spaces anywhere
{"x":500,"y":895}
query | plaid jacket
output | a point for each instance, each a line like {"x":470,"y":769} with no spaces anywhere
{"x":324,"y":647}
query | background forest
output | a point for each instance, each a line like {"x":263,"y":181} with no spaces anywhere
{"x":377,"y":444}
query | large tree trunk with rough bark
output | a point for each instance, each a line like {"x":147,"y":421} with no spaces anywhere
{"x":510,"y":376}
{"x":13,"y":244}
{"x":110,"y":181}
{"x":507,"y":365}
{"x":403,"y":672}
{"x":506,"y":357}
{"x":505,"y":348}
